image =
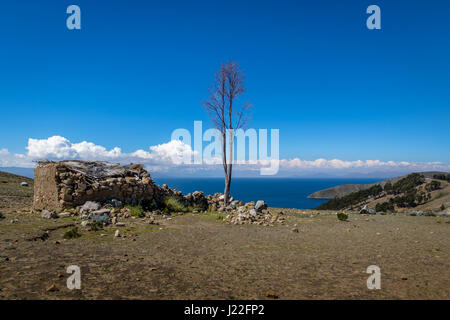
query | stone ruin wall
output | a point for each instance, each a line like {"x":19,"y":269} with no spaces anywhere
{"x":58,"y":185}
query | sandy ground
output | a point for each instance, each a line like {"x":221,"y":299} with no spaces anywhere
{"x":198,"y":256}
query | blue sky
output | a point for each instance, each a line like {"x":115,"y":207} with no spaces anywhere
{"x":137,"y":70}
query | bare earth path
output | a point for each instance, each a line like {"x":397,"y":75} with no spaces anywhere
{"x":200,"y":257}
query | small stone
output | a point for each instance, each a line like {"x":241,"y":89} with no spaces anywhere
{"x":24,"y":184}
{"x":84,"y":223}
{"x":120,"y":224}
{"x":48,"y":214}
{"x":64,"y":214}
{"x":117,"y":234}
{"x":295,"y":230}
{"x":271,"y":294}
{"x":52,"y":288}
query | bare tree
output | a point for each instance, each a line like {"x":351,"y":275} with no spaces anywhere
{"x":225,"y":113}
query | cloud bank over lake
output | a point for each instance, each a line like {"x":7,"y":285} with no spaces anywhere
{"x":164,"y":159}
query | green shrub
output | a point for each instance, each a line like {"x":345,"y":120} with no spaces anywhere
{"x":72,"y":234}
{"x":342,"y":216}
{"x":96,"y":226}
{"x":442,"y":177}
{"x":433,"y":185}
{"x":172,"y":204}
{"x":384,"y":207}
{"x":136,"y":211}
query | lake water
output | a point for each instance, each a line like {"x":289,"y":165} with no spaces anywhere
{"x":277,"y":192}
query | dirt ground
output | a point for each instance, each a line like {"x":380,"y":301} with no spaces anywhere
{"x":198,"y":256}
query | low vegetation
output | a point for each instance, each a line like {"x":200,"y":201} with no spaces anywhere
{"x":342,"y":216}
{"x":172,"y":204}
{"x":95,"y":226}
{"x":136,"y":211}
{"x":72,"y":234}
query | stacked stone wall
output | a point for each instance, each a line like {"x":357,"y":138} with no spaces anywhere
{"x":59,"y":185}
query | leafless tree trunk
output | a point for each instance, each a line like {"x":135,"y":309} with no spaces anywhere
{"x":227,"y":87}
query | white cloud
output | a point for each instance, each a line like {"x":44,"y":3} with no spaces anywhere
{"x":168,"y":156}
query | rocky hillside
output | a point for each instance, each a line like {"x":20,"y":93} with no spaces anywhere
{"x":346,"y":189}
{"x":413,"y":192}
{"x":13,"y":194}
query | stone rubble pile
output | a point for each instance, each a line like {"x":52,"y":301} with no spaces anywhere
{"x":239,"y":213}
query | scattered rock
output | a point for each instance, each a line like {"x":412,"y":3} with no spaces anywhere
{"x":271,"y":294}
{"x":84,"y":223}
{"x":295,"y":230}
{"x":120,"y":224}
{"x":117,"y":234}
{"x":419,"y":213}
{"x":48,"y":214}
{"x":24,"y":184}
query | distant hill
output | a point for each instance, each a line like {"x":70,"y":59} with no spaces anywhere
{"x":346,"y":189}
{"x":428,"y":191}
{"x":24,"y":172}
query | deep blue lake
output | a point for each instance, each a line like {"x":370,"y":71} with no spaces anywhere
{"x":277,"y":192}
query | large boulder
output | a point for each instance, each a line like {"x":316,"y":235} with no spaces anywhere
{"x":260,"y":205}
{"x":90,"y":206}
{"x":101,"y":216}
{"x":367,"y":210}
